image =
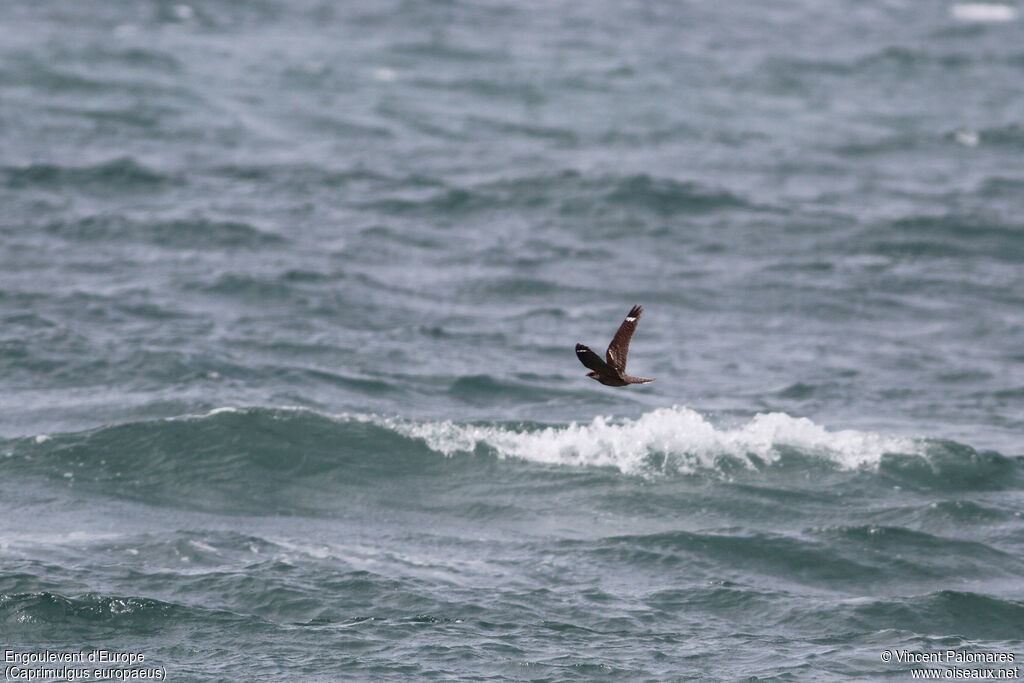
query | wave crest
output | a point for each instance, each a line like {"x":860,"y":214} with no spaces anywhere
{"x":297,"y":459}
{"x":675,"y":439}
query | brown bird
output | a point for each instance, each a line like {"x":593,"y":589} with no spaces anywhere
{"x":613,"y":372}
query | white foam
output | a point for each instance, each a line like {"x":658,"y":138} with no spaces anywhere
{"x":384,"y":74}
{"x":183,"y":12}
{"x":222,"y":409}
{"x":983,"y":12}
{"x":51,"y":539}
{"x":967,"y":138}
{"x":205,"y":547}
{"x":678,"y":437}
{"x":200,"y":416}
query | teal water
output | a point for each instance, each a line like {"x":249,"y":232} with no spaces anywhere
{"x":288,"y":300}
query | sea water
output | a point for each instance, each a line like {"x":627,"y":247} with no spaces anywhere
{"x":289,"y":293}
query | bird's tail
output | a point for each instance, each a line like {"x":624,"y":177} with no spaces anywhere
{"x":637,"y":380}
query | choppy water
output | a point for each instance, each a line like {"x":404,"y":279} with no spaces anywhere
{"x":288,"y":299}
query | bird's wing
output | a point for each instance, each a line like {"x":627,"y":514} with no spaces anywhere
{"x":619,"y":348}
{"x":593,"y":361}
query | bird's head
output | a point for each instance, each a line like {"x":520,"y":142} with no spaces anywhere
{"x":592,"y":375}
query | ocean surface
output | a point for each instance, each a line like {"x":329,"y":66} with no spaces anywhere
{"x":289,"y":291}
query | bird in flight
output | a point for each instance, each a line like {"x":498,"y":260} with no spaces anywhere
{"x":612,"y":372}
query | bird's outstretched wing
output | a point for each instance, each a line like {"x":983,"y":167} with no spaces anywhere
{"x":593,"y":361}
{"x":619,"y":348}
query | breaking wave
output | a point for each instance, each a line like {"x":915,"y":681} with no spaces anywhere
{"x":290,"y":459}
{"x":676,"y":439}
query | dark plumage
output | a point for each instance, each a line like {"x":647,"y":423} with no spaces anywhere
{"x":612,"y":372}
